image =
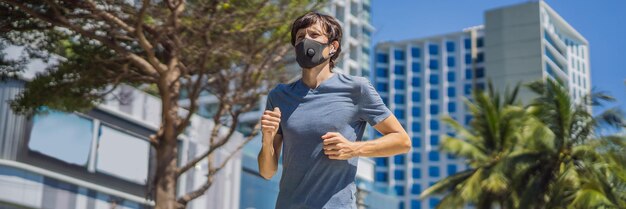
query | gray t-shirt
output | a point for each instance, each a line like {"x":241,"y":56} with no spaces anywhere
{"x":342,"y":103}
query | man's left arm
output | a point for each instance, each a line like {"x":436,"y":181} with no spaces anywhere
{"x":394,"y":141}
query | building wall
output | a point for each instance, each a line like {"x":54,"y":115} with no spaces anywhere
{"x":529,"y":42}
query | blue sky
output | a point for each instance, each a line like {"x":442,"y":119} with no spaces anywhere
{"x":603,"y":23}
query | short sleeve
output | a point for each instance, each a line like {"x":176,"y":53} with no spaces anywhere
{"x":371,"y":107}
{"x":270,"y":106}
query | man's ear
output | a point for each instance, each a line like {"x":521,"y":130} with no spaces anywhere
{"x":335,"y":45}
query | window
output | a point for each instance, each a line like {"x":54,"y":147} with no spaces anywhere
{"x":415,"y":96}
{"x":451,"y":169}
{"x":398,"y":54}
{"x":354,"y":9}
{"x":468,"y":74}
{"x":382,"y":72}
{"x":468,"y":59}
{"x":53,"y":133}
{"x":416,"y":126}
{"x":382,"y":58}
{"x":381,"y":161}
{"x":415,"y":111}
{"x":398,"y":174}
{"x":450,"y":156}
{"x":382,"y":87}
{"x":340,"y":13}
{"x":450,"y":46}
{"x":479,"y":42}
{"x":415,"y":52}
{"x":433,"y":171}
{"x":398,"y":159}
{"x":433,"y":64}
{"x":480,"y":86}
{"x":353,"y":51}
{"x":416,"y":204}
{"x":415,"y":67}
{"x":434,"y":94}
{"x":434,"y":125}
{"x":399,"y":99}
{"x":115,"y":146}
{"x":417,"y":173}
{"x":381,"y":176}
{"x":467,"y":43}
{"x":433,"y":79}
{"x":480,"y":72}
{"x":468,"y":119}
{"x":467,"y":89}
{"x":433,"y":202}
{"x":433,"y":49}
{"x":480,"y":57}
{"x":399,"y":190}
{"x":433,"y":156}
{"x":398,"y":84}
{"x":417,"y":157}
{"x":451,"y":107}
{"x":415,"y":81}
{"x":434,"y":109}
{"x":434,"y":140}
{"x":451,"y":62}
{"x":399,"y":113}
{"x":451,"y":91}
{"x":451,"y":76}
{"x":415,"y":189}
{"x":398,"y":70}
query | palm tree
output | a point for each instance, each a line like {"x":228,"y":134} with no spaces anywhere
{"x":491,"y":135}
{"x":545,"y":155}
{"x":570,"y":169}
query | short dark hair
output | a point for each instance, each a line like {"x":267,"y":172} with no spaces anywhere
{"x":331,"y":28}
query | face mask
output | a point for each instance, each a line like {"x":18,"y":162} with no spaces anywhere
{"x":309,"y":53}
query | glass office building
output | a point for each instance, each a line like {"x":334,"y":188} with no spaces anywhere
{"x":423,"y":79}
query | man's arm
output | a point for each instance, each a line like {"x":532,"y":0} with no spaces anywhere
{"x":268,"y":156}
{"x":394,"y":141}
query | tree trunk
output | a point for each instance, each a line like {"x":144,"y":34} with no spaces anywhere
{"x":167,"y":147}
{"x":166,"y":175}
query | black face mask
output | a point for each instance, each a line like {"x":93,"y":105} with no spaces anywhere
{"x":309,"y":53}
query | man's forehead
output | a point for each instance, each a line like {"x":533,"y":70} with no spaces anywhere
{"x":315,"y":27}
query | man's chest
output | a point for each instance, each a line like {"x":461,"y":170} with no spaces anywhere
{"x":316,"y":116}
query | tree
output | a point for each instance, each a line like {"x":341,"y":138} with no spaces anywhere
{"x":491,"y":135}
{"x":544,"y":155}
{"x":233,"y":49}
{"x":577,"y":168}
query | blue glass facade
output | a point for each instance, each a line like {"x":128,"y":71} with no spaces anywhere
{"x":440,"y":77}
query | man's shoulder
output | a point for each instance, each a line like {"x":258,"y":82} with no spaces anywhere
{"x":282,"y":87}
{"x":355,"y":81}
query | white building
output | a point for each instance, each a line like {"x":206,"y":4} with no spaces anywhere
{"x":102,"y":158}
{"x":423,"y":79}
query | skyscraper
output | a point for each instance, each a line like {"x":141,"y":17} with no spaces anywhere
{"x":425,"y":78}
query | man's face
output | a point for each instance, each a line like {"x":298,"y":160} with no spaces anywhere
{"x":314,"y":32}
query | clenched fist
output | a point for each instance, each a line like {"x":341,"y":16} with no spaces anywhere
{"x":337,"y":147}
{"x":270,"y":123}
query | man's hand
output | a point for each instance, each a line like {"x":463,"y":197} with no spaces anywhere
{"x":338,"y":147}
{"x":269,"y":124}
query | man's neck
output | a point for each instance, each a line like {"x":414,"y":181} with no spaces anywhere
{"x":314,"y":76}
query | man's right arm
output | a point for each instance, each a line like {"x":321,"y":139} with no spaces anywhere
{"x":269,"y":154}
